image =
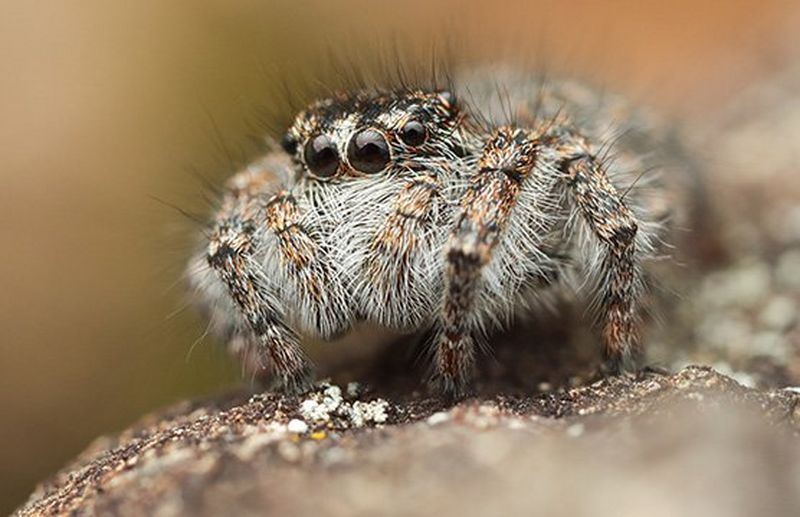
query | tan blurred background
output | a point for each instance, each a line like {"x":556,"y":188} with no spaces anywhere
{"x":105,"y":106}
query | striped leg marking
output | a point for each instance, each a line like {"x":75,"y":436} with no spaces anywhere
{"x":614,"y":226}
{"x":507,"y":160}
{"x":230,"y":254}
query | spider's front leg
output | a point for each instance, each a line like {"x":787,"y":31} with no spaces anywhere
{"x":392,"y":254}
{"x":507,"y":159}
{"x":231,"y":250}
{"x":613,"y":224}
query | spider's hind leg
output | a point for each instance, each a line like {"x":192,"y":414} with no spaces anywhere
{"x":614,"y":226}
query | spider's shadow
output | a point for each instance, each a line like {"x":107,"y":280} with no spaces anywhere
{"x":556,"y":349}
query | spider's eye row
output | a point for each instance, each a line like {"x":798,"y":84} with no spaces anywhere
{"x":368,"y":151}
{"x":289,"y":144}
{"x":413,"y":133}
{"x":321,"y":156}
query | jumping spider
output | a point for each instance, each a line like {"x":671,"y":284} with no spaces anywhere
{"x":449,"y":211}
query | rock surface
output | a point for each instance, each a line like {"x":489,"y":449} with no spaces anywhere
{"x":691,"y":443}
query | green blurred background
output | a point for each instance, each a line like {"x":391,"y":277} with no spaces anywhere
{"x":105,"y":106}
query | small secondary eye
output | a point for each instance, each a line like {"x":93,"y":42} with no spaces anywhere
{"x":368,"y":151}
{"x":448,"y":98}
{"x":413,"y":133}
{"x":289,"y":143}
{"x":321,"y":156}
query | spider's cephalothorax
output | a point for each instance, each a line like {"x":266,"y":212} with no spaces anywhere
{"x":408,"y":209}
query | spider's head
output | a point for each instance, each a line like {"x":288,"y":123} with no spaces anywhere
{"x":371,"y":133}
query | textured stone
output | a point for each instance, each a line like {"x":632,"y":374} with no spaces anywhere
{"x":695,"y":441}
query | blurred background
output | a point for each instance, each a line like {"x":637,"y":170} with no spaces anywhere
{"x":110,"y":113}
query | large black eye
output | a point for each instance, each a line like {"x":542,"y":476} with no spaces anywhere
{"x":368,"y":151}
{"x":413,"y":133}
{"x":321,"y":156}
